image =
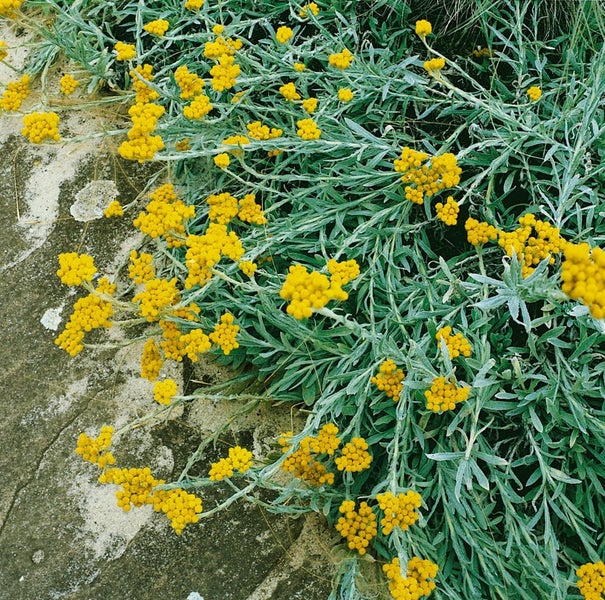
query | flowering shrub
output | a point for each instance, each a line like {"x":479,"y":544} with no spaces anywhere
{"x":449,"y":352}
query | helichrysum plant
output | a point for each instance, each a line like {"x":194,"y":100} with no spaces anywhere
{"x":408,"y":242}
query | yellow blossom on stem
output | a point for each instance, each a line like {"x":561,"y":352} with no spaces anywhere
{"x":399,"y":511}
{"x":239,"y":459}
{"x":309,"y":105}
{"x":288,"y":91}
{"x":448,"y":212}
{"x":158,"y":27}
{"x":479,"y":232}
{"x":144,"y":92}
{"x":225,"y":333}
{"x":456,"y":344}
{"x":95,"y":450}
{"x":326,"y":441}
{"x":284,"y":34}
{"x":423,"y":28}
{"x":157,"y":295}
{"x":194,"y":4}
{"x":114,"y":209}
{"x":444,"y":395}
{"x":15,"y":93}
{"x":345,"y":94}
{"x":190,"y":84}
{"x":341,"y":60}
{"x":75,"y":268}
{"x":357,"y":526}
{"x":250,"y":211}
{"x":591,"y":580}
{"x":68,"y":84}
{"x":125,"y":51}
{"x":224,"y":73}
{"x":389,"y":379}
{"x":416,"y":583}
{"x":310,"y":7}
{"x":151,"y":361}
{"x":199,"y":108}
{"x":354,"y":456}
{"x":41,"y":126}
{"x":247,"y":267}
{"x":222,"y":207}
{"x":179,"y":506}
{"x":299,"y":67}
{"x":164,"y":391}
{"x":434,"y":65}
{"x":534,"y":93}
{"x":305,"y":291}
{"x":141,"y":268}
{"x":222,"y":160}
{"x":308,"y":129}
{"x":194,"y":343}
{"x":9,"y":8}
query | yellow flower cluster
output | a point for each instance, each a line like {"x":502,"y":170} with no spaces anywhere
{"x":3,"y":52}
{"x":164,"y":216}
{"x":141,"y":145}
{"x":125,"y":51}
{"x":239,"y":459}
{"x":288,"y":91}
{"x":39,"y":126}
{"x":283,"y":34}
{"x":179,"y":506}
{"x":136,"y":485}
{"x":434,"y":65}
{"x":479,"y":232}
{"x":194,"y":343}
{"x":311,"y":291}
{"x":357,"y":526}
{"x":194,"y":4}
{"x":75,"y":268}
{"x":583,"y":275}
{"x":225,"y":73}
{"x":308,"y":129}
{"x":341,"y":60}
{"x":299,"y":67}
{"x":175,"y":344}
{"x":354,"y":456}
{"x":199,"y":108}
{"x":222,"y":160}
{"x":250,"y":211}
{"x":141,"y":268}
{"x":158,"y":27}
{"x":532,"y":242}
{"x":205,"y":251}
{"x":303,"y":463}
{"x":225,"y":333}
{"x":68,"y":84}
{"x":534,"y":93}
{"x":309,"y":105}
{"x":456,"y":344}
{"x":247,"y":267}
{"x":219,"y":47}
{"x":222,"y":207}
{"x":157,"y":296}
{"x":113,"y":209}
{"x":417,"y":581}
{"x":345,"y":94}
{"x":94,"y":450}
{"x":389,"y":379}
{"x":151,"y":361}
{"x":399,"y":511}
{"x":258,"y":131}
{"x":425,"y":180}
{"x":310,"y":7}
{"x":164,"y":391}
{"x":444,"y":395}
{"x":423,"y":28}
{"x":144,"y":92}
{"x":343,"y":272}
{"x":591,"y":581}
{"x":448,"y":212}
{"x":189,"y":83}
{"x":235,"y":140}
{"x":8,"y":8}
{"x":15,"y":93}
{"x":90,"y":312}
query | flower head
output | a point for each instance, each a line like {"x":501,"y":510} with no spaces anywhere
{"x":423,"y":28}
{"x":534,"y":93}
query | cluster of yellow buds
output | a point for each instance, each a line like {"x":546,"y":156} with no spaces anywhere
{"x":179,"y":506}
{"x":309,"y":105}
{"x":194,"y":4}
{"x":75,"y":268}
{"x":239,"y":459}
{"x":444,"y":395}
{"x":345,"y":94}
{"x":225,"y":334}
{"x":288,"y":91}
{"x":39,"y":126}
{"x":95,"y":450}
{"x":247,"y":267}
{"x":591,"y":582}
{"x":357,"y":526}
{"x":310,"y":7}
{"x":341,"y":60}
{"x":68,"y":84}
{"x":205,"y":251}
{"x":3,"y":52}
{"x":283,"y":34}
{"x":423,"y":28}
{"x":425,"y":180}
{"x":532,"y":242}
{"x":190,"y":84}
{"x":222,"y":207}
{"x":251,"y":212}
{"x":144,"y":92}
{"x":15,"y":93}
{"x":158,"y":27}
{"x":113,"y":209}
{"x":308,"y":129}
{"x":151,"y":361}
{"x":399,"y":511}
{"x":194,"y":343}
{"x":164,"y":391}
{"x":125,"y":51}
{"x":90,"y":312}
{"x":258,"y":131}
{"x":304,"y":462}
{"x":199,"y":108}
{"x":354,"y":456}
{"x":225,"y":73}
{"x":434,"y":65}
{"x":312,"y":291}
{"x":448,"y":212}
{"x":417,"y":582}
{"x":141,"y":268}
{"x":221,"y":46}
{"x":479,"y":232}
{"x":534,"y":93}
{"x":389,"y":379}
{"x":157,"y":295}
{"x":164,"y":216}
{"x":456,"y":344}
{"x":141,"y":145}
{"x":174,"y":343}
{"x":583,"y":275}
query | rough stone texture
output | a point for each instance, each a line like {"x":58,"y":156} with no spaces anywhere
{"x":61,"y":533}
